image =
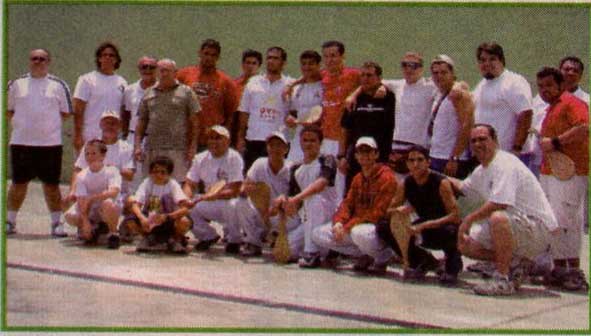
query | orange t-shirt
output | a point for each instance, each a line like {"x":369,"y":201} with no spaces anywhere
{"x":336,"y":89}
{"x":218,"y":97}
{"x":568,"y":112}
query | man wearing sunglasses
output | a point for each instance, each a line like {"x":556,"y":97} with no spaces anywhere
{"x":37,"y":103}
{"x":217,"y":93}
{"x":131,"y":102}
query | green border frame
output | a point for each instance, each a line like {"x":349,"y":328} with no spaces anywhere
{"x":3,"y":184}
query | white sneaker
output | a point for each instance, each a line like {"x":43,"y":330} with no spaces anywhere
{"x":57,"y":230}
{"x":10,"y":228}
{"x":497,"y":286}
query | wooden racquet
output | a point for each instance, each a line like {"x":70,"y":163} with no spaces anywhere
{"x":400,"y":225}
{"x":312,"y":116}
{"x":280,"y":251}
{"x":562,"y":166}
{"x":260,"y":196}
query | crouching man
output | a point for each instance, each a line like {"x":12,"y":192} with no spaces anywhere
{"x":514,"y":223}
{"x":353,"y":230}
{"x":96,"y":210}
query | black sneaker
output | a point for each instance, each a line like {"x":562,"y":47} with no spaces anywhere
{"x":362,"y":263}
{"x":309,"y":260}
{"x":175,"y":246}
{"x":113,"y":241}
{"x":204,"y":245}
{"x":448,"y":279}
{"x":232,"y":248}
{"x":251,"y":250}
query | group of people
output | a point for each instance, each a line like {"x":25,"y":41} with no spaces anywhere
{"x":181,"y":148}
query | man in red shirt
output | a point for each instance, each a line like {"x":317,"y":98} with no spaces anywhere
{"x":566,"y":129}
{"x":218,"y":95}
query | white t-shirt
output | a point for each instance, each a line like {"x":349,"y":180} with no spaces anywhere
{"x":266,"y":108}
{"x":148,"y":189}
{"x":92,"y":183}
{"x":304,"y":97}
{"x":307,"y":173}
{"x":260,"y":171}
{"x":100,"y":92}
{"x":413,"y":110}
{"x":209,"y":169}
{"x":506,"y":180}
{"x":498,"y":103}
{"x":445,"y":131}
{"x":37,"y":104}
{"x":119,"y":155}
{"x":132,"y":96}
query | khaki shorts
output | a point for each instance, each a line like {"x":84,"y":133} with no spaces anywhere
{"x":530,"y":236}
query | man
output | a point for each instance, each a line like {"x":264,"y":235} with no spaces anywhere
{"x":312,"y":193}
{"x":96,"y":210}
{"x":37,"y":103}
{"x":216,"y":91}
{"x":96,"y":92}
{"x":262,"y":110}
{"x":431,"y":196}
{"x":502,"y":99}
{"x":515,"y":221}
{"x":168,"y":113}
{"x":305,"y":96}
{"x":274,"y":172}
{"x":217,"y":163}
{"x":371,"y":117}
{"x":251,"y":62}
{"x":119,"y":155}
{"x":452,"y":120}
{"x":352,"y":230}
{"x":572,"y":69}
{"x":566,"y":129}
{"x":132,"y":96}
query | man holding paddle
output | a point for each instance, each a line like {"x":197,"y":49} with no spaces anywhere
{"x":565,"y":129}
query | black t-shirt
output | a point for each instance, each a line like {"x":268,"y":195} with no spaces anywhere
{"x":425,"y":199}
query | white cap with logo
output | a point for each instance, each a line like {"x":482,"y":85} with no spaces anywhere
{"x":110,"y":114}
{"x":278,"y":135}
{"x":221,"y":130}
{"x":366,"y":141}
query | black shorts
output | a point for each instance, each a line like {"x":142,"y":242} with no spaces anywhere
{"x":28,"y":162}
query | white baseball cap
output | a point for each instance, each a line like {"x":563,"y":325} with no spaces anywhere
{"x":278,"y":135}
{"x":443,"y":59}
{"x":221,"y":130}
{"x":366,"y":141}
{"x":110,"y":114}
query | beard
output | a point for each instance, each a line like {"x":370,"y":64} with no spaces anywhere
{"x":488,"y":76}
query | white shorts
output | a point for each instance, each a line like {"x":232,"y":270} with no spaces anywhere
{"x":94,"y":215}
{"x":530,"y":235}
{"x":567,"y":199}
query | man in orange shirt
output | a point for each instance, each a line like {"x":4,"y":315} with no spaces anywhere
{"x":218,"y":95}
{"x":566,"y":129}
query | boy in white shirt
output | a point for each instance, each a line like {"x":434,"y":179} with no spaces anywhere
{"x":97,"y":187}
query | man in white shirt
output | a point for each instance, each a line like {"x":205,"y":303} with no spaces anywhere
{"x":218,"y":162}
{"x":37,"y":103}
{"x":95,"y":92}
{"x":262,"y":110}
{"x":515,"y":221}
{"x":503,"y":99}
{"x":131,"y":102}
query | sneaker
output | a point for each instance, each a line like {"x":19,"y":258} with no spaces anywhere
{"x":113,"y":241}
{"x":10,"y":228}
{"x":251,"y":250}
{"x":309,"y":260}
{"x":362,"y":263}
{"x":497,"y":286}
{"x":519,"y":272}
{"x":575,"y":280}
{"x":57,"y":230}
{"x":448,"y":279}
{"x":414,"y":274}
{"x":378,"y":268}
{"x":332,"y":259}
{"x":232,"y":248}
{"x":149,"y":244}
{"x":484,"y":268}
{"x":204,"y":245}
{"x":176,"y":247}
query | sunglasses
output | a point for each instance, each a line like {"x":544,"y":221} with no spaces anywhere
{"x":147,"y":67}
{"x":38,"y":59}
{"x":412,"y":65}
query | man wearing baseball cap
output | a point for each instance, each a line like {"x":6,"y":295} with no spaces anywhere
{"x":219,"y":162}
{"x":353,"y":227}
{"x":273,"y":171}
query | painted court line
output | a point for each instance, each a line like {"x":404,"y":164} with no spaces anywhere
{"x":227,"y":297}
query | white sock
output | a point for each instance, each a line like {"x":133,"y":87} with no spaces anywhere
{"x":11,"y":216}
{"x":55,"y":216}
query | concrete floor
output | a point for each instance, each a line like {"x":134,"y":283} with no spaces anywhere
{"x":59,"y":283}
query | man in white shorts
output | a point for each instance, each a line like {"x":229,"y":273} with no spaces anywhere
{"x":219,"y":162}
{"x":515,"y":221}
{"x":274,"y":172}
{"x":96,"y":210}
{"x":95,"y":92}
{"x":37,"y":103}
